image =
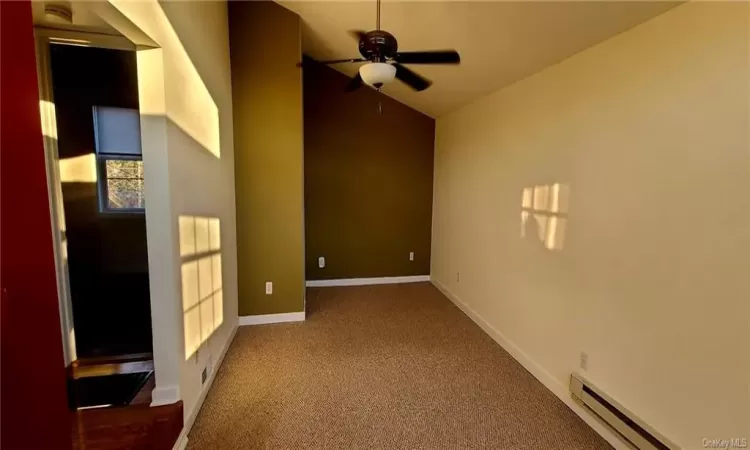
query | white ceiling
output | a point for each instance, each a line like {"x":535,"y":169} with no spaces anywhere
{"x":500,"y":42}
{"x":83,"y":18}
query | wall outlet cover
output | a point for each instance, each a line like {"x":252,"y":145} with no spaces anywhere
{"x":269,"y":287}
{"x":321,"y":262}
{"x":584,"y":361}
{"x":411,"y":256}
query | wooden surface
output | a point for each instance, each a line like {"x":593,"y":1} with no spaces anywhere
{"x":128,"y":427}
{"x":143,"y":397}
{"x":113,"y":359}
{"x":136,"y":426}
{"x":96,"y":367}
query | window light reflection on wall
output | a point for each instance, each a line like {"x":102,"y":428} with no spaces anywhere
{"x":548,"y":206}
{"x":78,"y":169}
{"x":202,"y":299}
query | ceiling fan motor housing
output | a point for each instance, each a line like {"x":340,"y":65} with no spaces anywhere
{"x":378,"y":46}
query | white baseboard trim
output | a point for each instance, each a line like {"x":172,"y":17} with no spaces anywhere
{"x":557,"y":388}
{"x":182,"y":439}
{"x":264,"y":319}
{"x":367,"y":281}
{"x":165,"y":395}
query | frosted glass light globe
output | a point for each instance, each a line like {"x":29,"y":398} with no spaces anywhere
{"x":377,"y":74}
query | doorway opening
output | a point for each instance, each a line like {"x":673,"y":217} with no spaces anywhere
{"x":101,"y":177}
{"x":91,"y":123}
{"x":99,"y":74}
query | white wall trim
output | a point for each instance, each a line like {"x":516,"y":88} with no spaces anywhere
{"x":263,"y":319}
{"x":43,"y":40}
{"x":182,"y":439}
{"x":366,"y":281}
{"x":165,"y":395}
{"x":557,"y":388}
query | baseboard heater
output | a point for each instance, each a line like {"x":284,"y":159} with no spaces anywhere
{"x":625,"y":423}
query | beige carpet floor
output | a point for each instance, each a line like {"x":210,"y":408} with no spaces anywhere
{"x":380,"y":367}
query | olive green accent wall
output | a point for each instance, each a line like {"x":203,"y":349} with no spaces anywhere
{"x":267,"y":105}
{"x":368,"y":181}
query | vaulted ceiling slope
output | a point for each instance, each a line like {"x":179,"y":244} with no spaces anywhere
{"x":499,"y":42}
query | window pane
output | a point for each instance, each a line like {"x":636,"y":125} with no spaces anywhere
{"x":122,"y":168}
{"x":118,"y":130}
{"x":125,"y":193}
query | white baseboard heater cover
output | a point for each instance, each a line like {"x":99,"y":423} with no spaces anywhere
{"x":628,"y":425}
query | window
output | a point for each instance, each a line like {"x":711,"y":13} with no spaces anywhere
{"x":121,"y":186}
{"x":120,"y":167}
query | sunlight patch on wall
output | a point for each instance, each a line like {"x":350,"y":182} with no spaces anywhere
{"x":193,"y":109}
{"x":47,"y":114}
{"x":202,"y":299}
{"x":185,"y":100}
{"x":78,"y":169}
{"x":64,"y":248}
{"x":544,"y":214}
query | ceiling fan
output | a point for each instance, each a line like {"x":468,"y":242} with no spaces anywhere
{"x":379,"y":49}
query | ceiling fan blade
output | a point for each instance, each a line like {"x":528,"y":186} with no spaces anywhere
{"x":354,"y":84}
{"x":412,"y":79}
{"x":357,"y":34}
{"x":428,"y":57}
{"x":338,"y":61}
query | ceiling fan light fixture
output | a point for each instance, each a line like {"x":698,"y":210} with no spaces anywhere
{"x":376,"y":74}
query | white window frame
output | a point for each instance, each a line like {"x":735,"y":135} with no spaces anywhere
{"x":101,"y":176}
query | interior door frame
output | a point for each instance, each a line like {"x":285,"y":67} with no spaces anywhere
{"x":44,"y":38}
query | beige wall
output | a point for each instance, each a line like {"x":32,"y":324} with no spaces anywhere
{"x":267,"y":88}
{"x":648,"y":132}
{"x":186,"y":126}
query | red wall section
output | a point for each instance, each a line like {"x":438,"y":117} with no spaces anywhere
{"x":34,"y":412}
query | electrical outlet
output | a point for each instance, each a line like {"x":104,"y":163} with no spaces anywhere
{"x":321,"y":262}
{"x":458,"y":277}
{"x":584,"y":361}
{"x":411,"y":256}
{"x":269,"y":287}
